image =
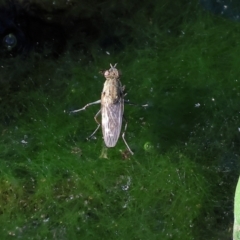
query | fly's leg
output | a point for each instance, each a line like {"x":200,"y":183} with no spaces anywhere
{"x":123,"y":137}
{"x":89,"y":104}
{"x":133,"y":104}
{"x":95,"y":117}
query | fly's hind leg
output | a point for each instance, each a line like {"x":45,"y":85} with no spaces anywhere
{"x":123,"y":136}
{"x":87,"y":105}
{"x":95,"y":117}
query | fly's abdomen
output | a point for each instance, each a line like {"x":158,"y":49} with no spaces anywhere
{"x":112,"y":114}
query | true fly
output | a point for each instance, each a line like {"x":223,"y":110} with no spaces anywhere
{"x":112,"y":108}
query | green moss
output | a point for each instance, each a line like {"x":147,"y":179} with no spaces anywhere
{"x":236,"y":214}
{"x":54,"y":183}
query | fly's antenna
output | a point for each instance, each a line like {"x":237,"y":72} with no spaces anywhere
{"x":113,"y":66}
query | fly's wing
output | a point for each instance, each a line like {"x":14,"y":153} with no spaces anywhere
{"x":112,"y":114}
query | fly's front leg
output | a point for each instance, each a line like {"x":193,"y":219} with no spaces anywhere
{"x":133,"y":104}
{"x":95,"y":117}
{"x":123,"y":136}
{"x":89,"y":104}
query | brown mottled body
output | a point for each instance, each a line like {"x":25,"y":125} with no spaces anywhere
{"x":112,"y":106}
{"x":112,"y":91}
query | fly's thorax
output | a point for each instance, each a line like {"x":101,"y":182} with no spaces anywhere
{"x":112,"y":90}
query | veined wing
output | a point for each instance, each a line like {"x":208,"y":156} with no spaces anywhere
{"x":112,"y":114}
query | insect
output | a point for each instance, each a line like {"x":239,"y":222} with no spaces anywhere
{"x":112,"y":108}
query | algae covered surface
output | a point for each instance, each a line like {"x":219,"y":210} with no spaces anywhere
{"x":180,"y":182}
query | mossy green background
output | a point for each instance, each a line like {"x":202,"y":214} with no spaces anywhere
{"x":183,"y":62}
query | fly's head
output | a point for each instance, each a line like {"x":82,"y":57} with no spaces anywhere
{"x":112,"y":73}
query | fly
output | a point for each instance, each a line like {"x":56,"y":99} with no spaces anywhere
{"x":112,"y":108}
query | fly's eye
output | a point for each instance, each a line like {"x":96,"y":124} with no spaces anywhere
{"x":116,"y":74}
{"x":106,"y":73}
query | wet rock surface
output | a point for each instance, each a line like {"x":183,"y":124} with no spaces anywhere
{"x":47,"y":26}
